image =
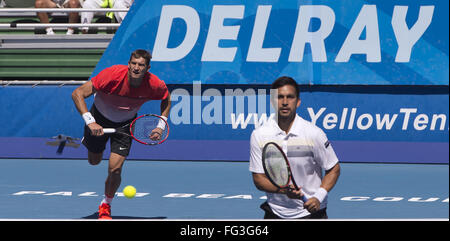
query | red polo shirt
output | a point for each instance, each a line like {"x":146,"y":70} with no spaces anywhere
{"x":117,"y":100}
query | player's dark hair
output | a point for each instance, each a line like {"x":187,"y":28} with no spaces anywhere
{"x":286,"y":80}
{"x":141,"y":53}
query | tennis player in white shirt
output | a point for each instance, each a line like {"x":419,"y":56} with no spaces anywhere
{"x":309,"y":153}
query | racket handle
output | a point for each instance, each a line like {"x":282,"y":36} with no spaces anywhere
{"x":304,"y":199}
{"x":109,"y":130}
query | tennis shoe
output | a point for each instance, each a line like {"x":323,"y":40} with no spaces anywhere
{"x":104,"y":211}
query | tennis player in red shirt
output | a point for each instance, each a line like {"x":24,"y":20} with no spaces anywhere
{"x":120,"y":91}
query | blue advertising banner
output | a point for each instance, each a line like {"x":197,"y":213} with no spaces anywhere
{"x":383,"y":124}
{"x":374,"y":76}
{"x":221,"y":113}
{"x":323,"y":42}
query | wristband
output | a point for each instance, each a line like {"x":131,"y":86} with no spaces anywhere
{"x":88,"y":118}
{"x":321,"y":194}
{"x":162,"y":123}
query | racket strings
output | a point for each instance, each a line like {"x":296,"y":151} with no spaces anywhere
{"x":144,"y":127}
{"x":276,"y":166}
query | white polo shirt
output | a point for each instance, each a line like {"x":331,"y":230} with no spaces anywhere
{"x":309,"y":153}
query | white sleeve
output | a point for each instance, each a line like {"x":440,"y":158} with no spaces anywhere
{"x":255,"y":165}
{"x":323,"y":151}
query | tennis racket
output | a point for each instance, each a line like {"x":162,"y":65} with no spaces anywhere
{"x":148,"y":129}
{"x":277,"y":168}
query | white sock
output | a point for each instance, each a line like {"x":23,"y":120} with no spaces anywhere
{"x":107,"y":200}
{"x":69,"y":31}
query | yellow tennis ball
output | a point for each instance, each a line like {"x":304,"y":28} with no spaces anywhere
{"x":129,"y":191}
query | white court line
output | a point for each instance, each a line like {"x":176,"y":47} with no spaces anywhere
{"x":238,"y":220}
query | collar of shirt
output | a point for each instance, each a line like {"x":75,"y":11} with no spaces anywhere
{"x":294,"y":131}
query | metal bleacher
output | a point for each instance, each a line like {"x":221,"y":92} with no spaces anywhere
{"x":19,"y":3}
{"x":27,"y":54}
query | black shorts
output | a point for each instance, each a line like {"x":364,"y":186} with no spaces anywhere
{"x":120,"y":144}
{"x":269,"y":214}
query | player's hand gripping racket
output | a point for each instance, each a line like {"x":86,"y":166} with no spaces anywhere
{"x":277,"y":168}
{"x":148,"y":129}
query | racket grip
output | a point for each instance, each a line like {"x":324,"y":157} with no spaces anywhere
{"x":304,"y":199}
{"x":109,"y":130}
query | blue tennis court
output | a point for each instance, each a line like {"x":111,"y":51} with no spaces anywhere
{"x":373,"y":75}
{"x":73,"y":189}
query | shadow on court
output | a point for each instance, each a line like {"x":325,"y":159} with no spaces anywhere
{"x":95,"y":216}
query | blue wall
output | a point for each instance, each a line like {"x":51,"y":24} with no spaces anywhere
{"x":374,"y":77}
{"x":365,"y":124}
